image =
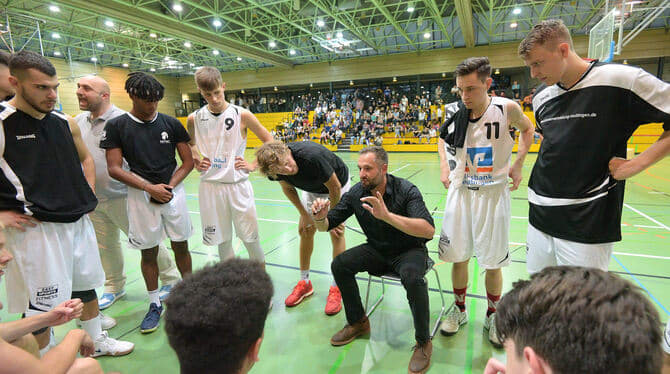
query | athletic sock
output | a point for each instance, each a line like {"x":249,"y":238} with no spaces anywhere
{"x":304,"y":275}
{"x":255,"y":251}
{"x":154,"y":298}
{"x":93,"y":327}
{"x":493,"y":303}
{"x":226,"y":250}
{"x":459,"y":295}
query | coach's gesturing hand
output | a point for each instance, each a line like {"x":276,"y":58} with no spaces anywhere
{"x":376,"y":206}
{"x":160,"y":192}
{"x":320,"y":209}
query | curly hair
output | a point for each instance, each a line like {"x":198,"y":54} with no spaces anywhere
{"x":214,"y":316}
{"x":144,"y":86}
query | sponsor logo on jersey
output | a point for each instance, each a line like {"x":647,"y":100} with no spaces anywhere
{"x":480,"y":159}
{"x":104,"y":135}
{"x":45,"y":296}
{"x":165,"y":138}
{"x":29,"y":136}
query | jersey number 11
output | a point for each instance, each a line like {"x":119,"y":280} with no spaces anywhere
{"x":488,"y":129}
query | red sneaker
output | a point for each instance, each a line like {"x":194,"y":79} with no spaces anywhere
{"x":334,"y":303}
{"x":302,"y":290}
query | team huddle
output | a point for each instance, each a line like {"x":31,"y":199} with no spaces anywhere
{"x":69,"y":186}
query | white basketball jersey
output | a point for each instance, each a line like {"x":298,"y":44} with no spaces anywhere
{"x":484,"y":159}
{"x":220,"y":139}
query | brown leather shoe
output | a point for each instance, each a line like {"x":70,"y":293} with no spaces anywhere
{"x":351,"y":332}
{"x":420,"y":358}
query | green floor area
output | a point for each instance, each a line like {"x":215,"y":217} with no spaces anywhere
{"x":297,"y":339}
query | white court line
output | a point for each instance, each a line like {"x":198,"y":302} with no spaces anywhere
{"x":437,"y":236}
{"x":400,"y":168}
{"x":646,"y":216}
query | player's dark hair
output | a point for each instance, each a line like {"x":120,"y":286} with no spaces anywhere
{"x":214,"y":316}
{"x":24,"y":60}
{"x":582,"y":320}
{"x":381,"y":157}
{"x":5,"y":57}
{"x":144,"y":86}
{"x":481,"y":65}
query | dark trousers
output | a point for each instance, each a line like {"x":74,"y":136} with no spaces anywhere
{"x":410,"y":265}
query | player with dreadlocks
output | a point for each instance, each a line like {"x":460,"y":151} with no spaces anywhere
{"x":156,"y":198}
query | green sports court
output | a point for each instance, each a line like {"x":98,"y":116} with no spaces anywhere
{"x":297,"y":339}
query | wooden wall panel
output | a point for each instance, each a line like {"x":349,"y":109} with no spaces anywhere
{"x":652,"y":43}
{"x":116,"y":77}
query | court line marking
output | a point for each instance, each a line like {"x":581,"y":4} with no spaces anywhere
{"x":642,"y":285}
{"x":646,"y":216}
{"x":437,"y":236}
{"x":400,"y":168}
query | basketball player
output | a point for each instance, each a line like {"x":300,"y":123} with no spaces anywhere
{"x":47,"y":174}
{"x":586,"y":112}
{"x":111,"y":214}
{"x":320,"y":174}
{"x":475,"y":151}
{"x":218,"y":140}
{"x":147,"y":140}
{"x":24,"y":356}
{"x":6,"y":89}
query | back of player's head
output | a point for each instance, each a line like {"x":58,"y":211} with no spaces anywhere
{"x":208,"y":78}
{"x":548,"y":33}
{"x":269,"y":154}
{"x":582,"y":320}
{"x":144,"y":86}
{"x":216,"y":315}
{"x":381,"y":157}
{"x":4,"y":58}
{"x":24,"y":60}
{"x":480,"y":65}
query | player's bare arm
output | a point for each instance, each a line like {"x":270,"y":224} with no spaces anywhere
{"x":444,"y":165}
{"x":85,"y":157}
{"x":623,"y":169}
{"x":249,"y":121}
{"x":522,"y":122}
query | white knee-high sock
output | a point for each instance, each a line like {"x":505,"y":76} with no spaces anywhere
{"x":226,"y":250}
{"x":255,"y":250}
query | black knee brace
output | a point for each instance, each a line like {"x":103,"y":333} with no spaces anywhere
{"x":85,"y":296}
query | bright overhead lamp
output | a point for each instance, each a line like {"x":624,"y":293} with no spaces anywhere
{"x":320,"y":23}
{"x":216,"y":23}
{"x":100,"y":45}
{"x":56,"y":53}
{"x":215,"y":52}
{"x":339,"y":35}
{"x":55,"y":35}
{"x":291,"y":52}
{"x":395,"y":79}
{"x":124,"y":65}
{"x":272,"y":44}
{"x":513,"y":25}
{"x":276,"y":89}
{"x":242,"y":91}
{"x":426,"y":35}
{"x":410,"y":8}
{"x":187,"y":44}
{"x":239,"y":59}
{"x":351,"y":83}
{"x":516,"y":11}
{"x":54,"y":8}
{"x":152,"y":69}
{"x":94,"y":59}
{"x":177,"y":7}
{"x":109,"y":23}
{"x":153,"y":35}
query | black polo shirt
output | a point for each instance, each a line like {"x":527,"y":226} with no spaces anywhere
{"x":149,"y":147}
{"x":316,"y":164}
{"x":402,"y":198}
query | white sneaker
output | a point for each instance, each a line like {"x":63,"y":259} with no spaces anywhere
{"x":455,"y":318}
{"x":106,"y":322}
{"x":490,"y":324}
{"x":106,"y":346}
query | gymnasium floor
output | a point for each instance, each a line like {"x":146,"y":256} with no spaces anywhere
{"x":297,"y":339}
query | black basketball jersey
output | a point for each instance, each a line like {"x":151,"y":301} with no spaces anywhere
{"x":571,"y":193}
{"x":40,"y":171}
